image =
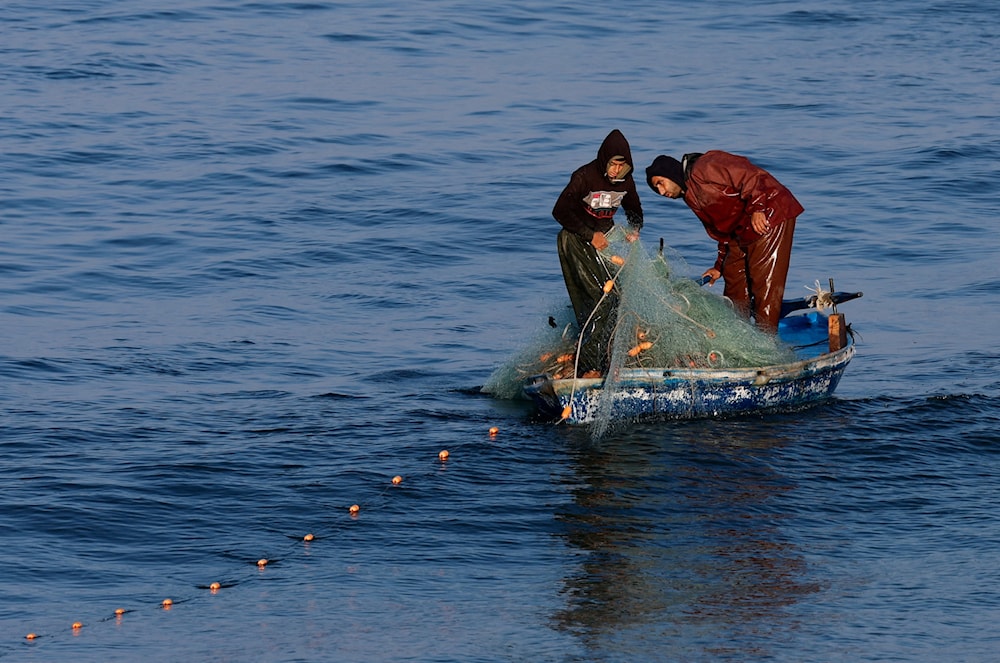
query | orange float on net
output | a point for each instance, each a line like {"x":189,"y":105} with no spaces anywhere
{"x":618,"y":260}
{"x":610,"y":283}
{"x":567,"y":411}
{"x":642,"y":347}
{"x":396,"y":480}
{"x":563,"y":359}
{"x":443,"y":455}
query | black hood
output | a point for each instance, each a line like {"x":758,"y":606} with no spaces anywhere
{"x":615,"y":145}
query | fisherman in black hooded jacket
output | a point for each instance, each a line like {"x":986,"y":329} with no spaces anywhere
{"x":586,"y":210}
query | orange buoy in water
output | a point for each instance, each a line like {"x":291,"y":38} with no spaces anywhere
{"x":443,"y":455}
{"x":261,"y":563}
{"x":308,"y":537}
{"x":119,"y":611}
{"x":77,"y":626}
{"x":31,"y":636}
{"x":494,"y":430}
{"x":215,"y":587}
{"x":354,"y":509}
{"x":167,"y":603}
{"x":396,"y":480}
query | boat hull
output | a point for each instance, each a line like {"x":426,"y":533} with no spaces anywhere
{"x":697,"y":393}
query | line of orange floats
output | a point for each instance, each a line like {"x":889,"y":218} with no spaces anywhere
{"x":353,"y":510}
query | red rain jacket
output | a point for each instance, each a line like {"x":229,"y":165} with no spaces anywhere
{"x":724,"y":190}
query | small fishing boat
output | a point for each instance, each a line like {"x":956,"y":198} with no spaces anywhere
{"x":822,"y":343}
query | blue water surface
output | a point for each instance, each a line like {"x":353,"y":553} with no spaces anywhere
{"x":258,"y":257}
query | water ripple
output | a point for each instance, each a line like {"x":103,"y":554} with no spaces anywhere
{"x":257,"y":256}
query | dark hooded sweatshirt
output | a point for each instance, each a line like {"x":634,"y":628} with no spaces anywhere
{"x":590,"y":200}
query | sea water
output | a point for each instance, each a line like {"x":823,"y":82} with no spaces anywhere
{"x":256,"y":259}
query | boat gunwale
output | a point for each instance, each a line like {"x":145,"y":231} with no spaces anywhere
{"x":635,"y":377}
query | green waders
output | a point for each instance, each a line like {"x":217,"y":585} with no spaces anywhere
{"x":585,"y":273}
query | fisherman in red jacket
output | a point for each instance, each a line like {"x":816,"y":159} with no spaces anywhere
{"x":586,"y":210}
{"x":749,"y":213}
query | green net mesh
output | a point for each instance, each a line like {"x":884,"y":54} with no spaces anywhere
{"x":664,"y":319}
{"x":552,"y":351}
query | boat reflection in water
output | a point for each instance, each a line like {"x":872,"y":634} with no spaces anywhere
{"x":685,"y":534}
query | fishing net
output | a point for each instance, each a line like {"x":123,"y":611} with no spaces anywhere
{"x":552,"y":351}
{"x":664,"y":319}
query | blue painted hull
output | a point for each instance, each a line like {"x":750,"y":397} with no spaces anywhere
{"x":705,"y":392}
